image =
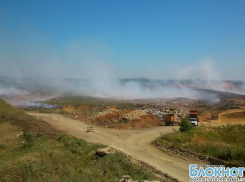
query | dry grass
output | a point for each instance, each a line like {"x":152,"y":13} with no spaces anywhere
{"x":225,"y":142}
{"x":43,"y":154}
{"x":9,"y":135}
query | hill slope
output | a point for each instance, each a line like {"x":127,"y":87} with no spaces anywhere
{"x":32,"y":150}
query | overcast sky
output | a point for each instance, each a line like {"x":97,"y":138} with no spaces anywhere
{"x":123,"y":38}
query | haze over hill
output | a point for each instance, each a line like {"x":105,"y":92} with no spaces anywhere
{"x":21,"y":91}
{"x":103,"y":51}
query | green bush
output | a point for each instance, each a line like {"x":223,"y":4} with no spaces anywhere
{"x":185,"y":125}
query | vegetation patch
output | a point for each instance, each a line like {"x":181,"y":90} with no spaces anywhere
{"x":224,"y":142}
{"x":64,"y":159}
{"x":40,"y":153}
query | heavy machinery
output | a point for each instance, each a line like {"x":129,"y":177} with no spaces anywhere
{"x":193,"y":117}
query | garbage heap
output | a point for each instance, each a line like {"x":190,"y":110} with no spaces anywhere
{"x":161,"y":113}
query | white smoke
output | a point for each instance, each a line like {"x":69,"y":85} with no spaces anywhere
{"x":208,"y":71}
{"x":11,"y":91}
{"x":101,"y":76}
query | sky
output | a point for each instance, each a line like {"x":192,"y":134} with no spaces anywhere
{"x":122,"y":38}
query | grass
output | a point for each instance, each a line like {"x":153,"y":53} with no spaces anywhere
{"x":225,"y":142}
{"x":64,"y":159}
{"x":6,"y":108}
{"x":35,"y":156}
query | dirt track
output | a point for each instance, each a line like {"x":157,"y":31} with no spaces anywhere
{"x":136,"y":143}
{"x":235,"y":116}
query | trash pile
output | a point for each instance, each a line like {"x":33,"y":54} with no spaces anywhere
{"x":163,"y":112}
{"x":123,"y":115}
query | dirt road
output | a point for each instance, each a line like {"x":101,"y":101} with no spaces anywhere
{"x":222,"y":119}
{"x":136,"y":143}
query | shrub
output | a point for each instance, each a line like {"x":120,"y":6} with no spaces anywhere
{"x":185,"y":125}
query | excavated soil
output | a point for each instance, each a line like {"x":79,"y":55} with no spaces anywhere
{"x":126,"y":119}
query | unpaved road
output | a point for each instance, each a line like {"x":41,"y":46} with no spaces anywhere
{"x":223,"y":120}
{"x":136,"y":143}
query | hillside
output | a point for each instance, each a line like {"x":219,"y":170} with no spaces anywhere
{"x":5,"y":107}
{"x":32,"y":150}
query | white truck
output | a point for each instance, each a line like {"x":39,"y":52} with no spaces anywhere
{"x":193,"y":116}
{"x":194,"y":121}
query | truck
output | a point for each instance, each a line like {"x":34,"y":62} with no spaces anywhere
{"x":170,"y":119}
{"x":193,"y":117}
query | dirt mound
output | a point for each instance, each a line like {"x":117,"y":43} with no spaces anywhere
{"x":108,"y":111}
{"x":69,"y":108}
{"x":125,"y":111}
{"x":146,"y":121}
{"x":83,"y":107}
{"x":106,"y":117}
{"x":110,"y":114}
{"x":134,"y":115}
{"x":205,"y":116}
{"x":126,"y":119}
{"x":235,"y":115}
